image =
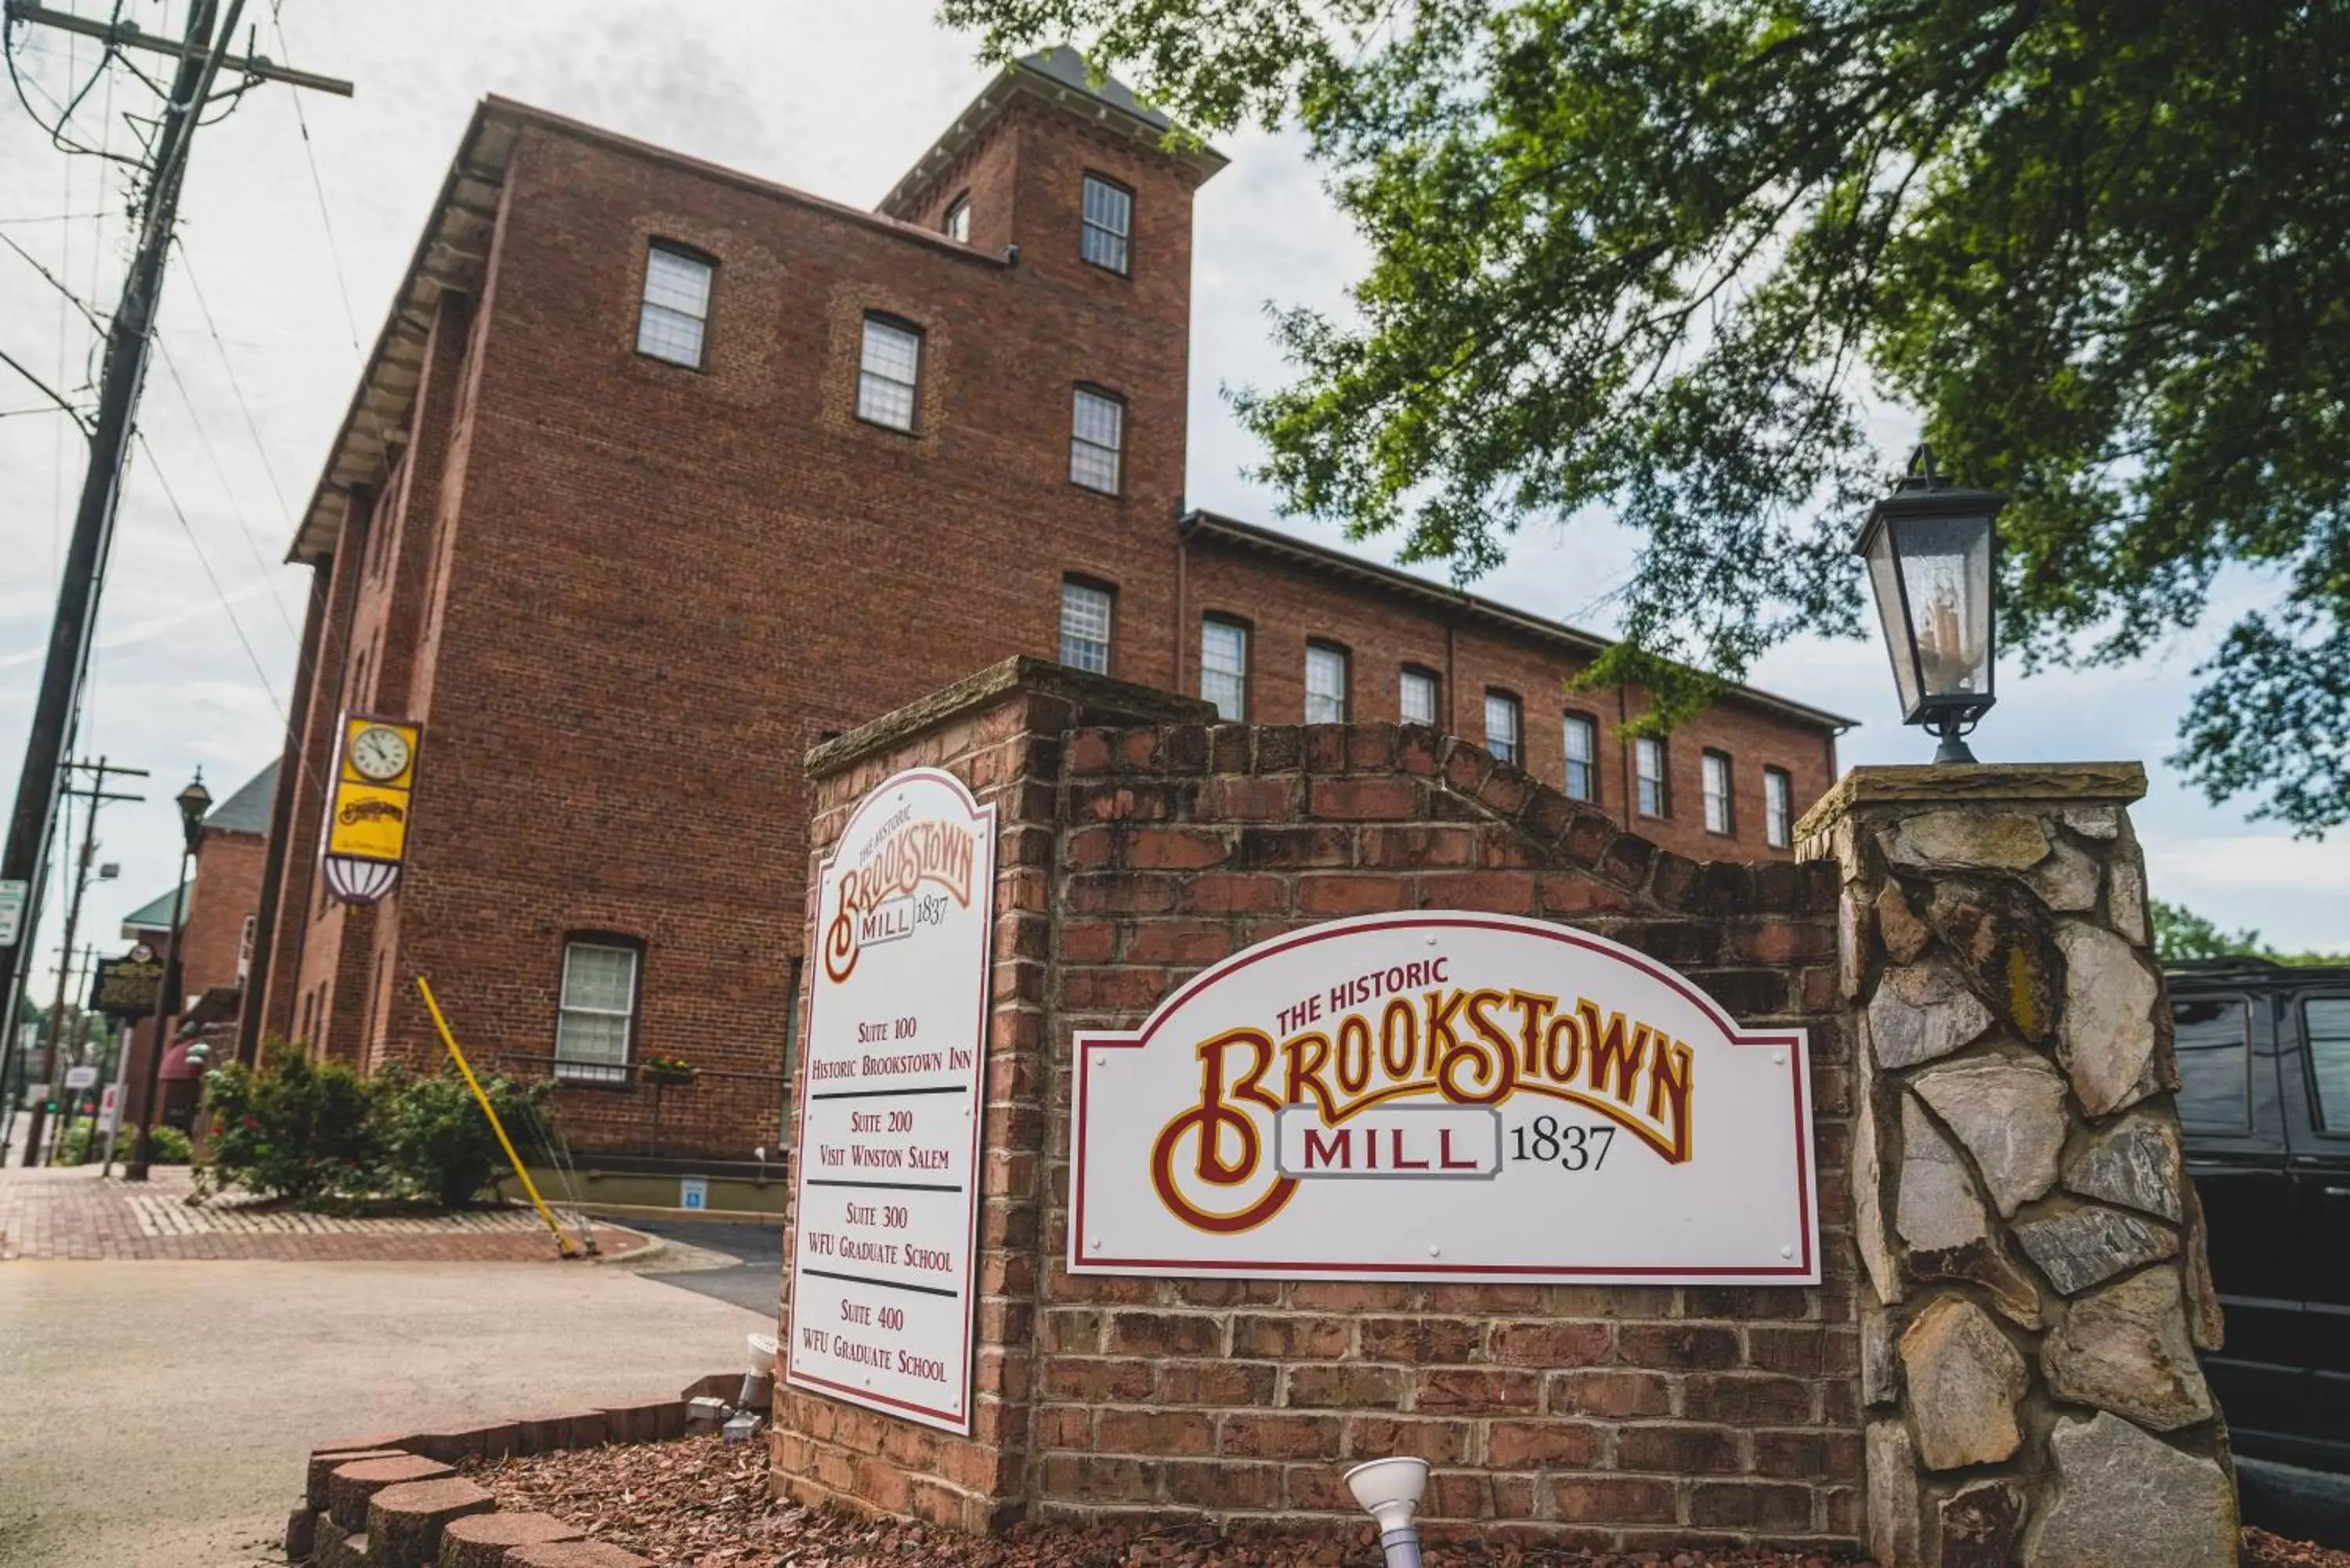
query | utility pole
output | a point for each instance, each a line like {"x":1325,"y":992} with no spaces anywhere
{"x":32,"y":825}
{"x":97,"y":795}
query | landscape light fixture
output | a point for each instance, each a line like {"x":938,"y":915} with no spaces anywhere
{"x":1389,"y":1491}
{"x":1930,"y":549}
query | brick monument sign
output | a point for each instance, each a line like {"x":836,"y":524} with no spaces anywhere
{"x":1962,"y":1298}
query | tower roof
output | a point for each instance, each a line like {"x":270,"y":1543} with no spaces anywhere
{"x":1060,"y":78}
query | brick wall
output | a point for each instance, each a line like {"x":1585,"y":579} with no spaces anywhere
{"x":1285,"y":603}
{"x":226,"y":890}
{"x":1604,"y":1416}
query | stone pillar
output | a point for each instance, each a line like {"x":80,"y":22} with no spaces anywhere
{"x":2036,"y":1291}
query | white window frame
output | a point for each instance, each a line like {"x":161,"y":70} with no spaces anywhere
{"x":1411,"y":676}
{"x":956,"y":224}
{"x":1717,"y":780}
{"x":880,"y":387}
{"x":1652,"y":791}
{"x":1588,"y":727}
{"x":1509,"y":748}
{"x":1089,"y":602}
{"x":596,"y":1069}
{"x":1105,"y":228}
{"x":1086,"y":449}
{"x":667,"y":307}
{"x":1778,"y":808}
{"x":1220,"y":681}
{"x":1324,"y":707}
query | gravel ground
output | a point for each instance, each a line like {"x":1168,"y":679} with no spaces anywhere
{"x":701,"y":1504}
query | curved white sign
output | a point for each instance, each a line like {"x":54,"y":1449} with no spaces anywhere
{"x":885,"y":1204}
{"x":1444,"y":1094}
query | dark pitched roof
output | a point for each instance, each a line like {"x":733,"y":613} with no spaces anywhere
{"x":1066,"y":66}
{"x":154,"y":915}
{"x":1058,"y":77}
{"x":1340,"y":564}
{"x":247,"y":811}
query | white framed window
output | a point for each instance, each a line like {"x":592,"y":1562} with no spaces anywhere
{"x":1107,"y":224}
{"x":1085,"y":626}
{"x":1504,"y":728}
{"x":957,"y":226}
{"x":1581,"y":757}
{"x":1649,"y":772}
{"x":1326,"y":684}
{"x":888,"y":373}
{"x":1715,"y":767}
{"x":1096,"y":440}
{"x":596,"y":1024}
{"x":1416,"y":697}
{"x":1778,"y":808}
{"x":675,"y":313}
{"x":1224,"y":666}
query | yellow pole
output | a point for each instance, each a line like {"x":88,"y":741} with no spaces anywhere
{"x":562,"y":1242}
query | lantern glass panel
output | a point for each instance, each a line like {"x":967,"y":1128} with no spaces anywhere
{"x":1884,"y":576}
{"x":1946,"y":578}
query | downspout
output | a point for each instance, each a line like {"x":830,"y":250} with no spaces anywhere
{"x":281,"y":826}
{"x":1182,"y":587}
{"x":1624,"y":752}
{"x":1451,"y":679}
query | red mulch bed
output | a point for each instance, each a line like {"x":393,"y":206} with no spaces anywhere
{"x":704,"y":1503}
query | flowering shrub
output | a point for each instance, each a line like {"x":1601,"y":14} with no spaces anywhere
{"x":669,"y":1070}
{"x":322,"y":1134}
{"x":294,"y":1128}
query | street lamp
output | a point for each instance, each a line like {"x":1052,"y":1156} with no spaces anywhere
{"x":194,"y":802}
{"x":1930,"y":548}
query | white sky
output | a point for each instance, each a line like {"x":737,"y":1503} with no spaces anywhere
{"x":835,"y":98}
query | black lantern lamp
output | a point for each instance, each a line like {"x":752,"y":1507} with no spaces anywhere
{"x":194,"y":801}
{"x":1929,"y":547}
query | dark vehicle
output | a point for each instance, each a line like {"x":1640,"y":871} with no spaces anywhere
{"x":2264,"y":1100}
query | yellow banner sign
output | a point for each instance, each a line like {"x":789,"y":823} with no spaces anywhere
{"x":366,"y":819}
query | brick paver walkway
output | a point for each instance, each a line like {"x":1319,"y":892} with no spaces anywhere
{"x":71,"y":1213}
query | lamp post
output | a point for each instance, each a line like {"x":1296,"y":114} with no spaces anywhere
{"x":1931,"y":554}
{"x":194,"y":802}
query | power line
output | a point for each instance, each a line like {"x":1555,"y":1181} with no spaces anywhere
{"x":227,"y":489}
{"x":334,"y":253}
{"x":188,"y":265}
{"x":196,"y":545}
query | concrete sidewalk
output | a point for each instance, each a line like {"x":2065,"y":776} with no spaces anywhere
{"x":157,"y":1413}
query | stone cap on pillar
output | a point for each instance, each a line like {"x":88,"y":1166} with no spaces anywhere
{"x":1974,"y":783}
{"x":1096,"y":700}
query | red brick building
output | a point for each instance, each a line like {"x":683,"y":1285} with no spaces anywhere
{"x":219,"y":919}
{"x":659,"y":473}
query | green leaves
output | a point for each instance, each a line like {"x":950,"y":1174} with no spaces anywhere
{"x":1663,"y":260}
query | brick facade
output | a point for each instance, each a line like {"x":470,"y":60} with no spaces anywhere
{"x":624,"y":596}
{"x":1132,"y":855}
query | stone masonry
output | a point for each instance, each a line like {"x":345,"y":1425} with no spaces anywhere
{"x":1139,"y":844}
{"x":2033,"y":1293}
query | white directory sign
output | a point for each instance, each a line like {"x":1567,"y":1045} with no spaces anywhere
{"x":12,"y":912}
{"x":885,"y":1206}
{"x":1444,"y":1095}
{"x":81,"y":1077}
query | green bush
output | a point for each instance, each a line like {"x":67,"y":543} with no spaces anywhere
{"x":169,"y":1145}
{"x":441,"y":1146}
{"x":294,"y":1128}
{"x":73,"y":1147}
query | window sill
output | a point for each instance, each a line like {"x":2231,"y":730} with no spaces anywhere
{"x":701,"y":369}
{"x":910,"y":433}
{"x":618,"y":1078}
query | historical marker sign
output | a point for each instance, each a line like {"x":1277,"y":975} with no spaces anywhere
{"x":126,"y":987}
{"x":885,"y":1205}
{"x":1444,"y":1094}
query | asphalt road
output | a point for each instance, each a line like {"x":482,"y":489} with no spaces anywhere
{"x":157,"y":1414}
{"x":756,"y":1279}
